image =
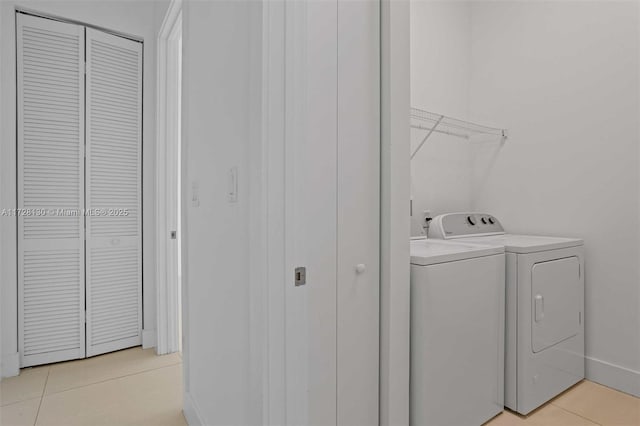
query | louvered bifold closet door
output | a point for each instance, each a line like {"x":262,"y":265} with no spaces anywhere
{"x":113,"y":180}
{"x":50,"y":89}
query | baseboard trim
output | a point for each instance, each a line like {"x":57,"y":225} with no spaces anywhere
{"x":613,"y":376}
{"x":10,"y":365}
{"x":191,"y":411}
{"x":149,"y":338}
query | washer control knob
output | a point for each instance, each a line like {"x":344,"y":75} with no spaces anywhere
{"x":491,"y":220}
{"x":471,"y":220}
{"x":484,"y":220}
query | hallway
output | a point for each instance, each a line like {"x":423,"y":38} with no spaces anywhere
{"x":129,"y":387}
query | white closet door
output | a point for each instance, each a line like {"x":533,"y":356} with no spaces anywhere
{"x":113,"y":181}
{"x":310,"y":219}
{"x":50,"y":87}
{"x":332,"y":157}
{"x":358,"y":229}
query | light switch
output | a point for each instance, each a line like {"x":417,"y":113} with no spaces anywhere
{"x":232,"y":185}
{"x":195,"y":194}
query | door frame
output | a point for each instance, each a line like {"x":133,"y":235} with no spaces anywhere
{"x":273,"y":142}
{"x":394,"y":212}
{"x":1,"y":239}
{"x":167,"y":127}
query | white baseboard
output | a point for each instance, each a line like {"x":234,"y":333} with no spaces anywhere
{"x":191,"y":411}
{"x":149,"y":337}
{"x":613,"y":376}
{"x":10,"y":365}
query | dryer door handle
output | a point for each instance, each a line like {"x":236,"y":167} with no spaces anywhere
{"x":539,"y":307}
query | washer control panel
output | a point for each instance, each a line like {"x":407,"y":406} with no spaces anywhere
{"x":457,"y":225}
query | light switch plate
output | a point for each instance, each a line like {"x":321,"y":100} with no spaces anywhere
{"x":195,"y":193}
{"x":232,"y":185}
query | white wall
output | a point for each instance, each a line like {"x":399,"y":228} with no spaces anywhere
{"x":221,"y":61}
{"x":135,"y":17}
{"x":440,"y":77}
{"x":563,"y":77}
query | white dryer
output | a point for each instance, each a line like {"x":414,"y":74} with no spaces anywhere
{"x":457,"y":333}
{"x":544,"y":339}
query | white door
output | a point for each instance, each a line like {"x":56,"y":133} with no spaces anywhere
{"x":358,"y":212}
{"x":332,"y":153}
{"x":50,"y":88}
{"x":113,"y":184}
{"x":310,"y":218}
{"x":80,"y":278}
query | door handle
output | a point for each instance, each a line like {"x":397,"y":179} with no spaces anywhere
{"x":539,"y":308}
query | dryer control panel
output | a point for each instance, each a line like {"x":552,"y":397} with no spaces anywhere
{"x":457,"y":225}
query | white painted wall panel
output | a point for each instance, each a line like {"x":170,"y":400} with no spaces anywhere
{"x":217,"y":116}
{"x":440,"y":77}
{"x":569,"y":93}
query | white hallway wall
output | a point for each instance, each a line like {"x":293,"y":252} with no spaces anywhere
{"x":221,"y":112}
{"x":223,"y":341}
{"x":563,"y":77}
{"x":137,"y":17}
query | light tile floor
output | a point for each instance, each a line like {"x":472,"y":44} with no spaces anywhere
{"x":585,"y":404}
{"x":136,"y":387}
{"x":130,"y":387}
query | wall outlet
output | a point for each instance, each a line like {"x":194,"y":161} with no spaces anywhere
{"x":426,"y":220}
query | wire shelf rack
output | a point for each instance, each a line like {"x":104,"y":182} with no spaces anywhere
{"x":431,"y":122}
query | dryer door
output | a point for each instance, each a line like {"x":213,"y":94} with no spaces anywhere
{"x":555,"y":302}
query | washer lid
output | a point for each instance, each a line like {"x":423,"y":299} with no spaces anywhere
{"x":428,"y":252}
{"x":525,"y":243}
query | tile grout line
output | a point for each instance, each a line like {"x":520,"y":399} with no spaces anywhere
{"x":576,"y":414}
{"x":113,"y":378}
{"x":44,"y":388}
{"x":20,"y":401}
{"x":49,"y":368}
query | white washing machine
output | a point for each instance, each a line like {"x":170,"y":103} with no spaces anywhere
{"x":545,"y":303}
{"x":457,"y":333}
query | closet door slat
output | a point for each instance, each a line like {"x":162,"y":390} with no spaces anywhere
{"x":51,"y":284}
{"x":113,"y":181}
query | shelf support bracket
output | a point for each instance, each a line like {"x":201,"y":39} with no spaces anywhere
{"x":427,"y":137}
